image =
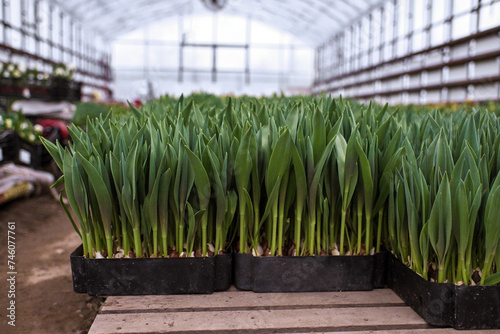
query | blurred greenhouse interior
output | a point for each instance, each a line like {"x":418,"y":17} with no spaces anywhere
{"x":401,"y":51}
{"x":198,"y":52}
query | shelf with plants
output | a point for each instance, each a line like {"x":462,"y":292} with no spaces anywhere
{"x":19,"y":82}
{"x":20,"y":140}
{"x":63,"y":87}
{"x":16,"y":81}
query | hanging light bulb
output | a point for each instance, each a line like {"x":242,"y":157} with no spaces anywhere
{"x":215,"y":5}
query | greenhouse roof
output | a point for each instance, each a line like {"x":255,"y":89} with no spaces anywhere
{"x":312,"y":21}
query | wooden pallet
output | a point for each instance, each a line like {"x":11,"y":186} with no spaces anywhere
{"x":378,"y":311}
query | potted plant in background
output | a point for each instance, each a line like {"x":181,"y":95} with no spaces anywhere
{"x":30,"y":151}
{"x":12,"y":78}
{"x":61,"y":79}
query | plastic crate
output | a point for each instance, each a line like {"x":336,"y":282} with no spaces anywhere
{"x":64,"y":89}
{"x":8,"y":146}
{"x":35,"y":154}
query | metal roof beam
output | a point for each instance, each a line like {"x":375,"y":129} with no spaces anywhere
{"x":310,"y":20}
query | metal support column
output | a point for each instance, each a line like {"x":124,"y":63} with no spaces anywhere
{"x":145,"y":45}
{"x":316,"y":67}
{"x":394,"y":41}
{"x":71,"y":47}
{"x":382,"y":35}
{"x":428,"y":24}
{"x":475,"y":13}
{"x":214,"y":63}
{"x":281,"y":79}
{"x":352,"y":53}
{"x":360,"y":45}
{"x":319,"y":71}
{"x":214,"y":48}
{"x":88,"y":53}
{"x":322,"y":61}
{"x":338,"y":48}
{"x":247,"y":50}
{"x":37,"y":27}
{"x":23,"y":8}
{"x":181,"y":49}
{"x":369,"y":61}
{"x":61,"y":37}
{"x":51,"y":31}
{"x":409,"y":35}
{"x":291,"y":62}
{"x":342,"y":56}
{"x":79,"y":47}
{"x":333,"y":55}
{"x":449,"y":21}
{"x":5,"y":3}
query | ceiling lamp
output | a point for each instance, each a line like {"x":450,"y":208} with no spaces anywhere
{"x":215,"y":5}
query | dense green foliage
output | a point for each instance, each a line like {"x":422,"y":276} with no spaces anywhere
{"x":290,"y":176}
{"x":94,"y":110}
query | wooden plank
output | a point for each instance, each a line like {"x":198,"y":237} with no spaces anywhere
{"x":234,"y":300}
{"x":262,"y":321}
{"x":415,"y":331}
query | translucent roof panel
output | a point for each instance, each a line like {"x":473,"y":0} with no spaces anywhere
{"x":313,"y":21}
{"x":147,"y":61}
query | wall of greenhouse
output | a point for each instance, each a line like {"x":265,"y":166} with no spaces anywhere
{"x":183,"y":54}
{"x":410,"y":51}
{"x":39,"y":34}
{"x":400,"y":51}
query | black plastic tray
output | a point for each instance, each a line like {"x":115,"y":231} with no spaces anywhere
{"x":243,"y":271}
{"x":303,"y":273}
{"x":8,"y":146}
{"x":380,"y":270}
{"x":150,"y":276}
{"x":433,"y":302}
{"x":445,"y":304}
{"x":64,"y":89}
{"x":35,"y":154}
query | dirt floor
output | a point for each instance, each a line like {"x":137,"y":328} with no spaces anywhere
{"x":45,"y":301}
